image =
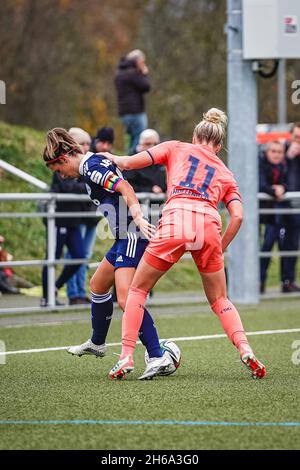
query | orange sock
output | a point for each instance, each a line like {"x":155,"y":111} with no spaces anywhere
{"x":232,"y":324}
{"x":132,"y":319}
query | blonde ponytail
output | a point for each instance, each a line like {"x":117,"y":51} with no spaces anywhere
{"x":212,"y":129}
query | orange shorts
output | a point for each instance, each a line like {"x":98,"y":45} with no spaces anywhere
{"x":180,"y":231}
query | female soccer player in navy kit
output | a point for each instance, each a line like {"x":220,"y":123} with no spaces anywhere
{"x":105,"y":184}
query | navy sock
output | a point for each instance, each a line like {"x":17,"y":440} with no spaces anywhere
{"x":102,"y":310}
{"x":148,"y":336}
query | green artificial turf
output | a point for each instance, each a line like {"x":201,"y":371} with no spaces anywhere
{"x":210,"y":385}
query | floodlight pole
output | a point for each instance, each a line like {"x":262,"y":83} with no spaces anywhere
{"x":243,"y":268}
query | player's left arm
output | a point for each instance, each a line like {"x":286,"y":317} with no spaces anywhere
{"x":127,"y":192}
{"x":158,"y":154}
{"x":133,"y":162}
{"x":233,"y":203}
{"x":235,"y":210}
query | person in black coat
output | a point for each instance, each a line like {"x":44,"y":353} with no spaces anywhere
{"x":292,"y":221}
{"x":103,"y":140}
{"x":132,"y":82}
{"x":272,"y":181}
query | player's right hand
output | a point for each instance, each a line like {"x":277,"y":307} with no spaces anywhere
{"x":146,"y":228}
{"x":114,"y":159}
{"x":107,"y":155}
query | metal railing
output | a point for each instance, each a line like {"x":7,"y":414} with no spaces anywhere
{"x":51,"y":215}
{"x":50,"y":199}
{"x":290,"y":196}
{"x":23,"y":175}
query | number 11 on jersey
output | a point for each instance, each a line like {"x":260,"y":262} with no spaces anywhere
{"x":188,"y":183}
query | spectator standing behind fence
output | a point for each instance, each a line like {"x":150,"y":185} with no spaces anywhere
{"x":103,"y":140}
{"x":76,"y":286}
{"x":151,"y":179}
{"x":292,"y":221}
{"x":132,"y":82}
{"x":273,"y":181}
{"x":68,"y":232}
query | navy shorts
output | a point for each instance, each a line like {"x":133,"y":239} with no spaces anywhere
{"x":126,"y":253}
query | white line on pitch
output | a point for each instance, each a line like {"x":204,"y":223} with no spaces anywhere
{"x":50,"y":323}
{"x":182,"y":338}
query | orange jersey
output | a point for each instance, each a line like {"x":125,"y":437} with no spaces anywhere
{"x":196,"y":173}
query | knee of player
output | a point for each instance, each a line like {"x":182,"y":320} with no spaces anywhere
{"x":121,"y":302}
{"x":92,"y":284}
{"x":95,"y":287}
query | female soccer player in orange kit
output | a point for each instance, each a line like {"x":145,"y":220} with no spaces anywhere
{"x":197,"y":182}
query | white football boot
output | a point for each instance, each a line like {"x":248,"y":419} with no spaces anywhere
{"x":158,"y":366}
{"x":123,"y":367}
{"x":88,"y":348}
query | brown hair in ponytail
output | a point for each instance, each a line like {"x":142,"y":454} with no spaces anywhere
{"x":59,"y":142}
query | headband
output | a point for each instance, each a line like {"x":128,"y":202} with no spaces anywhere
{"x":53,"y":160}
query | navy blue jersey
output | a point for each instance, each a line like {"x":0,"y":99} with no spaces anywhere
{"x":101,"y":177}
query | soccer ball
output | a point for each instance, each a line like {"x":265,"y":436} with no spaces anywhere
{"x":168,"y":347}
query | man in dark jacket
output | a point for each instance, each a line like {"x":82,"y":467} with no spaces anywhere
{"x":132,"y":82}
{"x":103,"y":140}
{"x":272,"y":181}
{"x":292,"y":221}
